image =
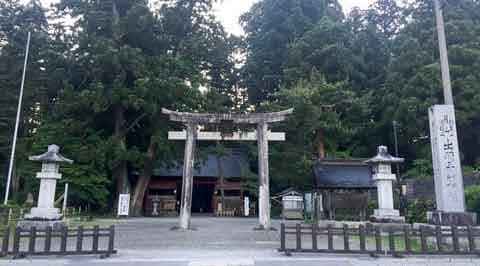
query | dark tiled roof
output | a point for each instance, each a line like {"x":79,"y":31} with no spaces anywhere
{"x":343,"y":174}
{"x":288,"y":191}
{"x":233,"y":165}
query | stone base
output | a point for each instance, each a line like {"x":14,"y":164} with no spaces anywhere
{"x":50,"y":214}
{"x":451,"y":218}
{"x":178,"y":228}
{"x":41,"y":224}
{"x":262,"y":228}
{"x":387,"y":219}
{"x":386,"y":212}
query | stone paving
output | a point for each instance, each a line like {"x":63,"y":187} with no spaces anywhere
{"x":210,"y":233}
{"x":218,"y":242}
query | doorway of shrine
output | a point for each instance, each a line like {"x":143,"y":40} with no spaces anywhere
{"x":202,"y":198}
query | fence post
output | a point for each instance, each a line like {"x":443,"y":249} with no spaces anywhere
{"x":31,"y":241}
{"x":16,"y":242}
{"x":95,"y":239}
{"x":314,"y":237}
{"x":455,"y":242}
{"x":346,"y":242}
{"x":79,"y":238}
{"x":48,"y":239}
{"x":408,"y":243}
{"x":361,"y":232}
{"x":63,"y":240}
{"x":423,"y":239}
{"x":330,"y":237}
{"x":378,"y":239}
{"x":438,"y":236}
{"x":298,"y":234}
{"x":471,"y":240}
{"x":391,"y":241}
{"x":5,"y":240}
{"x":111,"y":240}
{"x":282,"y":237}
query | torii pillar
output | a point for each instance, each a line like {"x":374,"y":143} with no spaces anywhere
{"x":264,"y":179}
{"x":187,"y":177}
{"x":262,"y":135}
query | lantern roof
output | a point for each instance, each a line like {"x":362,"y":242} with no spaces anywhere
{"x":51,"y":156}
{"x":384,"y":157}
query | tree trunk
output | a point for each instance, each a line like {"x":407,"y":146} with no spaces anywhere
{"x":320,"y":143}
{"x":15,"y":181}
{"x":143,"y":181}
{"x":120,"y":173}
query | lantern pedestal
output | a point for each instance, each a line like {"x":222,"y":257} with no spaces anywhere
{"x":383,"y":178}
{"x":41,"y":225}
{"x":45,"y":214}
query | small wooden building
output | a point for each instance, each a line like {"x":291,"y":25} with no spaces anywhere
{"x":292,"y":204}
{"x":164,"y":191}
{"x":344,"y":185}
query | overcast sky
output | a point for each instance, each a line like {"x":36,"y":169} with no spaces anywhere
{"x":229,"y":11}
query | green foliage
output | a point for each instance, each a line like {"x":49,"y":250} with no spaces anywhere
{"x":472,"y":198}
{"x":421,"y":169}
{"x":97,"y":89}
{"x":417,"y":210}
{"x":271,"y":26}
{"x":87,"y":177}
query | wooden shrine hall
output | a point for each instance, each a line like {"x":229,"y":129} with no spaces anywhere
{"x":164,"y":190}
{"x":344,"y":185}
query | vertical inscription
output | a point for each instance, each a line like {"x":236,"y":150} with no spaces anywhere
{"x":446,"y":159}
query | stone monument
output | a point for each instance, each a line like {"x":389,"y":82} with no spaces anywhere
{"x":449,"y":192}
{"x":45,"y":214}
{"x":384,"y":178}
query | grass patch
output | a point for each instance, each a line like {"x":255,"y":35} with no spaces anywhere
{"x":90,"y":222}
{"x":415,"y":244}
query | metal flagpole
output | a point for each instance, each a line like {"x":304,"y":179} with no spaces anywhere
{"x":15,"y":134}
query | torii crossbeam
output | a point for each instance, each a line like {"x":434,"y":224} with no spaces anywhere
{"x":262,"y":135}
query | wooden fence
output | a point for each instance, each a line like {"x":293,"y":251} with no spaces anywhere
{"x":376,"y":240}
{"x":67,"y":241}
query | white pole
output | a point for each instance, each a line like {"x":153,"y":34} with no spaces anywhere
{"x":442,"y":44}
{"x":65,"y":198}
{"x":15,"y":134}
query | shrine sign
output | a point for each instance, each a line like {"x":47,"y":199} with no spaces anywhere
{"x":446,"y":159}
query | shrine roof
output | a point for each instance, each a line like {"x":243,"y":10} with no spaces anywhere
{"x":234,"y":165}
{"x":342,"y":174}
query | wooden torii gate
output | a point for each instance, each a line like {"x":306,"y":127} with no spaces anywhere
{"x":262,"y":135}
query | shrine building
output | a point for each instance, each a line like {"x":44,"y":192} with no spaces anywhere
{"x":345,"y":186}
{"x":163,"y":194}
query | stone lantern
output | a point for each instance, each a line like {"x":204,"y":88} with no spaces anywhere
{"x":384,"y":178}
{"x":45,"y":214}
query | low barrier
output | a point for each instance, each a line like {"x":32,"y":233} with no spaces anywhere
{"x":376,"y":240}
{"x":66,"y":241}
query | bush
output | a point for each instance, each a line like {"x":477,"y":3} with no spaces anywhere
{"x":472,"y":197}
{"x":417,"y":210}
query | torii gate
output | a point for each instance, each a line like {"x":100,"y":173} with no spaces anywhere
{"x":262,"y":135}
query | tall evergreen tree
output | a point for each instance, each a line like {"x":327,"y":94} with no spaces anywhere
{"x":270,"y":27}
